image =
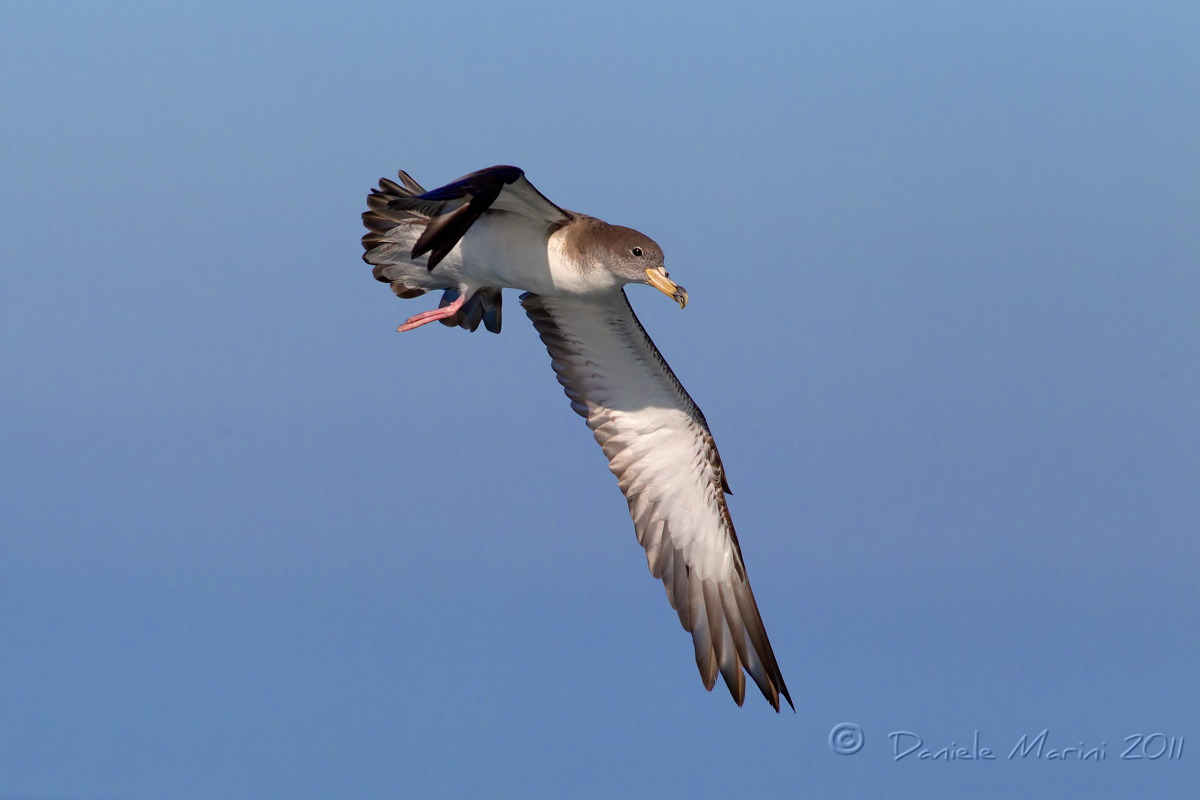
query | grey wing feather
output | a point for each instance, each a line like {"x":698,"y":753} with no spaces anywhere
{"x":667,"y":465}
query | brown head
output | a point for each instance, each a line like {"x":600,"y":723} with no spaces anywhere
{"x":631,"y":256}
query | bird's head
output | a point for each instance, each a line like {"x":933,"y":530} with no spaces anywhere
{"x":638,"y":259}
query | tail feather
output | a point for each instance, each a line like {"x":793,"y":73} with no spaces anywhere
{"x":412,"y":186}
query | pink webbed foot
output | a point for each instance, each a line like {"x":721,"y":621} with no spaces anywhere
{"x":426,"y":317}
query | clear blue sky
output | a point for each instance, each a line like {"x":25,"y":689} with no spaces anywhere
{"x":944,"y":266}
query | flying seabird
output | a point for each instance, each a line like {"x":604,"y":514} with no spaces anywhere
{"x":492,"y":230}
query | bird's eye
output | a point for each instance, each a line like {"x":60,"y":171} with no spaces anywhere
{"x":637,"y":251}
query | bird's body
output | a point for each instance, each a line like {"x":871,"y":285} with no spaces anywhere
{"x":496,"y":252}
{"x":493,"y":230}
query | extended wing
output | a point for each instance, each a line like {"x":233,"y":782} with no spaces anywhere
{"x":659,"y":447}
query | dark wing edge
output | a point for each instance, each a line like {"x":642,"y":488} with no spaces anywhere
{"x":722,"y":615}
{"x":452,"y":209}
{"x":393,"y":204}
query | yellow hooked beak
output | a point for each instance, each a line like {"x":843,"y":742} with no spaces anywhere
{"x":659,"y":280}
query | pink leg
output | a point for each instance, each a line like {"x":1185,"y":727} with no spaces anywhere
{"x":425,"y":317}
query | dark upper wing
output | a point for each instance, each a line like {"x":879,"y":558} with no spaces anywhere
{"x":453,"y":208}
{"x":659,"y":447}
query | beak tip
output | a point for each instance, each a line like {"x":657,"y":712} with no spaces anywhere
{"x":659,"y":280}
